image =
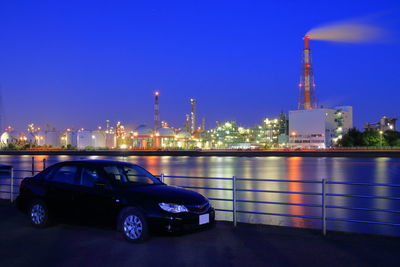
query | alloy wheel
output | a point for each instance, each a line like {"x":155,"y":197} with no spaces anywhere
{"x":133,"y":227}
{"x":38,"y":214}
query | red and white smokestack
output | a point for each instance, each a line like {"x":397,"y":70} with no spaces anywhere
{"x":307,"y":98}
{"x":156,"y":112}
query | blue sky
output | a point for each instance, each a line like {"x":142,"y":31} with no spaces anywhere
{"x":78,"y":63}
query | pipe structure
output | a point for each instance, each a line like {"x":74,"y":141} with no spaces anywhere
{"x":156,"y":112}
{"x":307,"y":99}
{"x":193,"y":116}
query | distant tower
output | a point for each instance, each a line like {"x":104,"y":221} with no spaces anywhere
{"x":193,"y":115}
{"x":186,"y":125}
{"x":203,"y":124}
{"x":307,"y":98}
{"x":156,"y":112}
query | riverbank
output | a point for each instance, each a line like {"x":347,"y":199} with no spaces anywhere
{"x":209,"y":153}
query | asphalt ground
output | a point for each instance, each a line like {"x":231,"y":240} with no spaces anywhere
{"x":246,"y":245}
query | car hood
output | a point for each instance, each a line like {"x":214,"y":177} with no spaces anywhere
{"x":166,"y":194}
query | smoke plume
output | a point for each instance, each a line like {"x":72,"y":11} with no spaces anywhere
{"x":355,"y":31}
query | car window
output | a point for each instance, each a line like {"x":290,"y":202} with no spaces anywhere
{"x":130,"y":175}
{"x":65,"y":174}
{"x":45,"y":174}
{"x":88,"y":177}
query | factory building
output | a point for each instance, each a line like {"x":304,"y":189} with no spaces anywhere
{"x":68,"y":139}
{"x":183,"y":139}
{"x":84,"y":139}
{"x":384,"y":124}
{"x":143,"y":137}
{"x":111,"y":140}
{"x":165,"y":138}
{"x":99,"y":138}
{"x":319,"y":128}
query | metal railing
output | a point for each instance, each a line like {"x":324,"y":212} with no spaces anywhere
{"x":322,"y":195}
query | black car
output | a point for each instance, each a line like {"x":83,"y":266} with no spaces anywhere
{"x":120,"y":192}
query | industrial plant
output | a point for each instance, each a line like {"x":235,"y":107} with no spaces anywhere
{"x":309,"y":126}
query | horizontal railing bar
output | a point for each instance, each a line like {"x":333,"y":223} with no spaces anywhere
{"x":279,"y":203}
{"x":279,"y":214}
{"x":221,"y":199}
{"x":360,"y":221}
{"x":209,"y":188}
{"x":281,"y":192}
{"x":366,"y":184}
{"x":25,"y":171}
{"x":362,"y":196}
{"x":276,"y":180}
{"x":362,"y":209}
{"x":255,"y":190}
{"x":196,"y":177}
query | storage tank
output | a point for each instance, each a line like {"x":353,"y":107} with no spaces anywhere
{"x":143,"y":137}
{"x":99,"y":139}
{"x":165,"y":137}
{"x":8,"y":137}
{"x":68,"y":138}
{"x":52,"y":138}
{"x":111,"y":140}
{"x":40,"y":138}
{"x":84,"y":139}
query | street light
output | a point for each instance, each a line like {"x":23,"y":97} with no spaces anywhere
{"x":381,"y":133}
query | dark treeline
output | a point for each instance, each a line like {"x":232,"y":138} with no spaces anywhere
{"x":356,"y":138}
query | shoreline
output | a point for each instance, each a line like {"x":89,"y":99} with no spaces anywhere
{"x":211,"y":153}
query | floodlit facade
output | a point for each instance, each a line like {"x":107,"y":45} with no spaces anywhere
{"x":69,"y":138}
{"x":99,"y":138}
{"x":84,"y":139}
{"x":319,"y":128}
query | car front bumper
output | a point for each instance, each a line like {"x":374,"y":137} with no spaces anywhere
{"x":179,"y":222}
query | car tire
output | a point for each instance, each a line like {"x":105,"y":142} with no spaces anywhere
{"x":133,"y":225}
{"x":39,"y":214}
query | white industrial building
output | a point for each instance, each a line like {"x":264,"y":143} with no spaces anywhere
{"x":84,"y":139}
{"x":319,"y":128}
{"x":99,"y":138}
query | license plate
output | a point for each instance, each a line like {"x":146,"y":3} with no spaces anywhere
{"x":203,"y":219}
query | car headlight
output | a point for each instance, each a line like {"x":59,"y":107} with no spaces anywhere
{"x":173,"y":208}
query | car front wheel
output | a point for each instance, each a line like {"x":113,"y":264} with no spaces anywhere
{"x":39,"y":214}
{"x":133,"y":225}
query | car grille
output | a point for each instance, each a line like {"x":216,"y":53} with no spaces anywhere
{"x":199,"y":208}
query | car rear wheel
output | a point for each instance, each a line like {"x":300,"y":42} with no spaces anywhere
{"x":39,"y":214}
{"x":133,"y":225}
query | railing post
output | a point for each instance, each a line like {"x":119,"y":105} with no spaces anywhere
{"x":162,"y":177}
{"x":324,"y":207}
{"x":234,"y":214}
{"x":44,"y":164}
{"x":33,"y":166}
{"x":12,"y":184}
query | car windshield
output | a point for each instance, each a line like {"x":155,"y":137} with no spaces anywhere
{"x":130,"y":175}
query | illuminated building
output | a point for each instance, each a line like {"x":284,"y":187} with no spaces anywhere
{"x":319,"y":128}
{"x":84,"y":139}
{"x":384,"y":124}
{"x":143,"y":137}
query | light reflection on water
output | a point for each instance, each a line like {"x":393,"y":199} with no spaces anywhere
{"x":376,"y":170}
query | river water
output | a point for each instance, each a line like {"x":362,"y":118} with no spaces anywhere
{"x":340,"y":169}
